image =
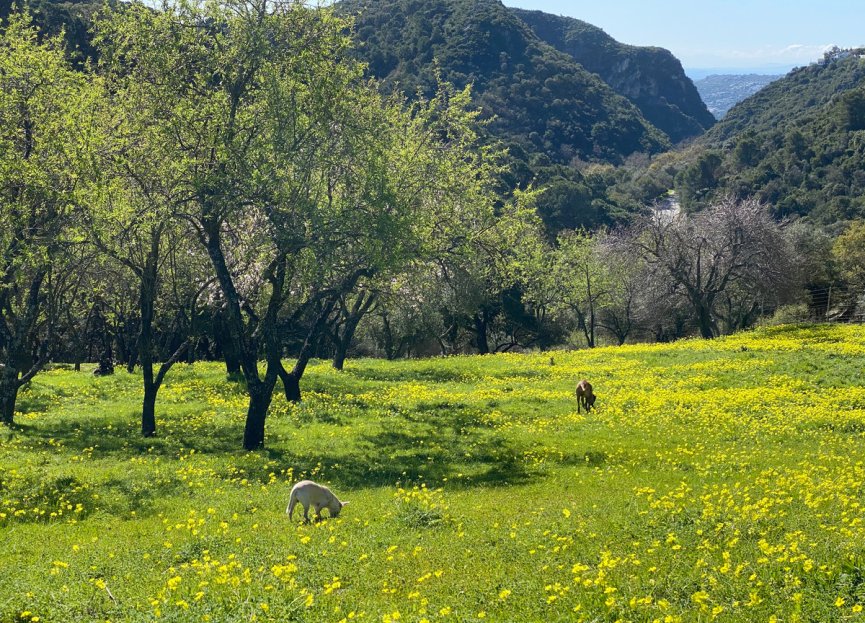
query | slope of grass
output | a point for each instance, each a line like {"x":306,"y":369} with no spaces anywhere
{"x":716,"y":480}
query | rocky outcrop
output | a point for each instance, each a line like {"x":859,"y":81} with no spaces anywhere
{"x":651,"y":78}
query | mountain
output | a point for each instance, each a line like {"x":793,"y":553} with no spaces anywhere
{"x":535,"y":96}
{"x":723,"y":91}
{"x":651,"y":78}
{"x":798,"y":144}
{"x":800,"y":93}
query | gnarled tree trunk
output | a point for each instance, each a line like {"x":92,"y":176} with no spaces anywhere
{"x":8,"y":395}
{"x":291,"y":380}
{"x":480,"y":324}
{"x":19,"y":342}
{"x":226,"y":345}
{"x":260,"y":389}
{"x":343,"y":333}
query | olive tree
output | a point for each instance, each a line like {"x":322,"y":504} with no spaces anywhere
{"x":296,"y":177}
{"x":45,"y":137}
{"x":848,"y":251}
{"x":136,"y":221}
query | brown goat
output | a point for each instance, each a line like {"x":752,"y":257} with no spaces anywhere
{"x":585,"y":396}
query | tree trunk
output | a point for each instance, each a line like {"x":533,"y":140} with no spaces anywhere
{"x":291,"y":384}
{"x":260,"y":392}
{"x":8,"y":396}
{"x":704,"y":321}
{"x":222,"y":337}
{"x":340,"y":355}
{"x":362,"y":304}
{"x":583,"y":325}
{"x":146,"y":300}
{"x":343,"y":343}
{"x":588,"y":332}
{"x":103,"y":338}
{"x":148,"y":411}
{"x":291,"y":380}
{"x":151,"y":390}
{"x":126,"y":338}
{"x":481,"y":333}
{"x":256,"y":414}
{"x":389,"y":350}
{"x":590,"y":326}
{"x":247,"y":354}
{"x":106,"y":364}
{"x":232,"y":368}
{"x":21,"y":349}
{"x":148,"y":407}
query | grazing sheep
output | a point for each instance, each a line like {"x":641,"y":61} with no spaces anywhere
{"x":309,"y":493}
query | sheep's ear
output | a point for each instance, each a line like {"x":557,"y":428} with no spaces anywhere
{"x":344,"y":503}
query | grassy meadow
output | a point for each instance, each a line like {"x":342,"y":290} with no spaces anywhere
{"x":717,"y":480}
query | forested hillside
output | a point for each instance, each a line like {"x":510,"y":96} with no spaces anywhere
{"x":651,"y":78}
{"x":798,"y":145}
{"x":536,"y":96}
{"x":540,"y":99}
{"x":795,"y":96}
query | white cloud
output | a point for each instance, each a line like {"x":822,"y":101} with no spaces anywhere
{"x":764,"y":56}
{"x":795,"y":52}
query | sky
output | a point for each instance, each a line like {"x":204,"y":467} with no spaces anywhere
{"x":737,"y":34}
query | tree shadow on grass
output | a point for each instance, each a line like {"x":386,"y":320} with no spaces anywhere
{"x":138,"y":497}
{"x":96,"y":438}
{"x":433,"y":372}
{"x":414,"y":450}
{"x":434,"y":443}
{"x":411,"y":450}
{"x":33,"y":403}
{"x":393,"y":457}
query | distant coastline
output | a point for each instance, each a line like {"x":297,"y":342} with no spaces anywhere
{"x":698,"y":73}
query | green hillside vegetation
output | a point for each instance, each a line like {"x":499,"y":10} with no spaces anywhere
{"x":713,"y":477}
{"x":798,"y":145}
{"x":650,"y":77}
{"x":792,"y":98}
{"x":72,"y":17}
{"x":536,"y":97}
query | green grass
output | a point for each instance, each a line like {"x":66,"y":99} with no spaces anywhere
{"x":717,"y":480}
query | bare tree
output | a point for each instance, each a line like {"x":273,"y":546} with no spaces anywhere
{"x":726,"y":261}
